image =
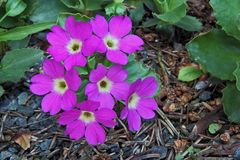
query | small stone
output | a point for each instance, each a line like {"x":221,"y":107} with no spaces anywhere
{"x":14,"y":157}
{"x":27,"y":111}
{"x":236,"y":155}
{"x":19,"y":121}
{"x":13,"y":105}
{"x":205,"y":95}
{"x":200,"y":85}
{"x":45,"y":144}
{"x":23,"y":98}
{"x":159,"y":149}
{"x":4,"y":155}
{"x":225,"y":137}
{"x":12,"y":150}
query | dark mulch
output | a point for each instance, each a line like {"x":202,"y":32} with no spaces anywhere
{"x":181,"y":125}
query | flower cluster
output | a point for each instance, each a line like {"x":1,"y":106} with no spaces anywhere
{"x":60,"y":80}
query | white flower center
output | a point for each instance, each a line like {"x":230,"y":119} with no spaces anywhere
{"x":87,"y":117}
{"x":133,"y":101}
{"x":111,"y":42}
{"x":104,"y":85}
{"x":60,"y":85}
{"x":74,"y":46}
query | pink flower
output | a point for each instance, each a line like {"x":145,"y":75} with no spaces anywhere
{"x":85,"y":121}
{"x":113,"y":38}
{"x":106,"y":83}
{"x":73,"y":44}
{"x":139,"y":102}
{"x":58,"y":87}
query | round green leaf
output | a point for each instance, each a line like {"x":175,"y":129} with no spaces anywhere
{"x":216,"y":52}
{"x":227,"y":14}
{"x":189,"y":73}
{"x":231,"y":101}
{"x":15,"y":7}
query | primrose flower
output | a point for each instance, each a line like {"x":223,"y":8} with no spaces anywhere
{"x":73,"y":44}
{"x":139,"y":102}
{"x":113,"y":38}
{"x":58,"y":86}
{"x":106,"y":83}
{"x":85,"y":121}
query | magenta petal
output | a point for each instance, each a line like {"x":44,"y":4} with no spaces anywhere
{"x":90,"y":45}
{"x":95,"y":134}
{"x":147,"y":87}
{"x":98,"y":73}
{"x":51,"y":103}
{"x":101,"y":47}
{"x":41,"y":84}
{"x":117,"y":56}
{"x":120,"y":90}
{"x":91,"y":90}
{"x":106,"y":100}
{"x":75,"y":60}
{"x":134,"y":120}
{"x":124,"y":113}
{"x":78,"y":30}
{"x":88,"y":105}
{"x":69,"y":99}
{"x":75,"y":129}
{"x":120,"y":26}
{"x":68,"y":116}
{"x":116,"y":73}
{"x":145,"y":113}
{"x":131,"y":43}
{"x":53,"y":69}
{"x":73,"y":79}
{"x":59,"y":53}
{"x":149,"y":103}
{"x":58,"y":37}
{"x":106,"y":117}
{"x":99,"y":26}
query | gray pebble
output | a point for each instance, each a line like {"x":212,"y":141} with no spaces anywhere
{"x":200,"y":85}
{"x":27,"y":111}
{"x":237,"y":154}
{"x":22,"y":98}
{"x":13,"y":105}
{"x":205,"y":95}
{"x":45,"y":144}
{"x":12,"y":150}
{"x":19,"y":121}
{"x":14,"y":157}
{"x":4,"y":155}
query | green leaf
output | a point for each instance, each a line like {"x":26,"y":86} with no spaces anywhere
{"x":15,"y":7}
{"x":78,"y":16}
{"x":227,"y":13}
{"x":91,"y":62}
{"x":1,"y":91}
{"x":75,"y":4}
{"x":81,"y":91}
{"x":189,"y":73}
{"x":46,"y":10}
{"x":93,"y":5}
{"x":213,"y":128}
{"x":16,"y":62}
{"x":137,"y":70}
{"x":189,"y":23}
{"x":236,"y":73}
{"x":115,"y":9}
{"x":137,"y":13}
{"x":82,"y":70}
{"x":23,"y":31}
{"x":150,"y":22}
{"x":216,"y":52}
{"x":231,"y":101}
{"x":19,"y":43}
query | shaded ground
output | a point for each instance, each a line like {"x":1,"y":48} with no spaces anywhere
{"x":181,"y":125}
